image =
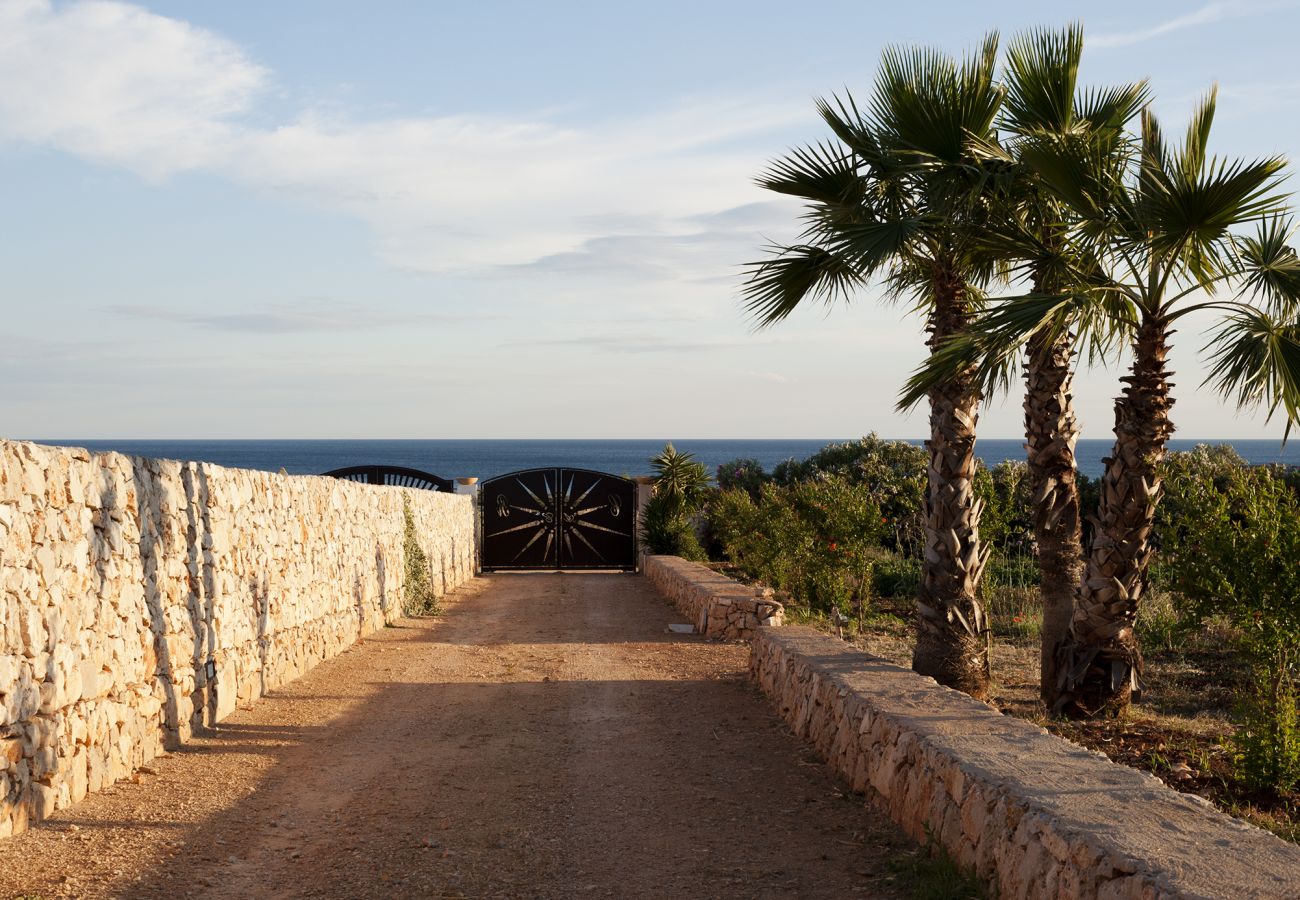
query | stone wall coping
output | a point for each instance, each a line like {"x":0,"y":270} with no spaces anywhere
{"x":1127,"y":820}
{"x":718,"y":606}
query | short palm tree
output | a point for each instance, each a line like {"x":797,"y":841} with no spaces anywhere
{"x":1044,"y":98}
{"x":902,"y":196}
{"x":1164,"y":225}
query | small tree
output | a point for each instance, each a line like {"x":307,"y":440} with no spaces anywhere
{"x":680,"y":487}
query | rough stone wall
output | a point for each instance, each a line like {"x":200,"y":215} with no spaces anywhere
{"x":141,"y":599}
{"x":717,"y":606}
{"x":1034,"y":815}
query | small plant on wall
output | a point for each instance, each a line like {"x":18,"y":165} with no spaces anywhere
{"x":680,"y":487}
{"x":419,"y":598}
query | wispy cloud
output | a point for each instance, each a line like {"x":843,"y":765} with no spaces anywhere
{"x":118,"y":85}
{"x":643,"y":343}
{"x":305,"y":316}
{"x":1205,"y":15}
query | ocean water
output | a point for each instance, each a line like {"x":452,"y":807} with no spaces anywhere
{"x":488,"y":458}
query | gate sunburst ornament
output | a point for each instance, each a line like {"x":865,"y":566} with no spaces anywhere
{"x":551,"y":504}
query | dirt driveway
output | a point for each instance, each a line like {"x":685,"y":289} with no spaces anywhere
{"x":544,"y":738}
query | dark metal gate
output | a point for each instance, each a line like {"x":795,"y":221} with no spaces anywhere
{"x":399,"y":476}
{"x":558,"y":519}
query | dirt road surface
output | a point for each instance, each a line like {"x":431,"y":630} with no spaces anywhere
{"x":545,"y":737}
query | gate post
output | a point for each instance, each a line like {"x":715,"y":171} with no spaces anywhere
{"x":644,"y":488}
{"x":469,"y":485}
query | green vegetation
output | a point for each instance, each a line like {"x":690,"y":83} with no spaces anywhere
{"x":1226,"y":576}
{"x":419,"y":598}
{"x":1234,"y":552}
{"x":680,"y":487}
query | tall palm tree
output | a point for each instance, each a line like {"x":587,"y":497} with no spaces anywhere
{"x":1044,"y":98}
{"x":902,"y":196}
{"x":1164,"y":225}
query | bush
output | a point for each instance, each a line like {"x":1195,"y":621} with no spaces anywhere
{"x":418,"y":597}
{"x":1233,"y":552}
{"x":815,"y":540}
{"x":680,"y":487}
{"x":747,"y":475}
{"x":893,"y":472}
{"x":897,"y":576}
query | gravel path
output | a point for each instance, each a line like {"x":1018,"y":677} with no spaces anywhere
{"x":544,"y":738}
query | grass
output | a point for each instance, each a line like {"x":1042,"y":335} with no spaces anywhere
{"x":931,"y":874}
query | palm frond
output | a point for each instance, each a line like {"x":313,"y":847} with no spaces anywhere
{"x":1111,"y":108}
{"x":775,"y":287}
{"x":1256,"y":362}
{"x":1042,"y":69}
{"x":820,"y":173}
{"x":1192,"y":155}
{"x":1270,"y":266}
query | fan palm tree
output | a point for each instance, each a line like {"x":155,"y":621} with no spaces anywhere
{"x":902,"y":196}
{"x":1164,"y":225}
{"x":1043,"y":97}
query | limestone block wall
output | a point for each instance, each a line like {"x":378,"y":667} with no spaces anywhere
{"x":717,"y":606}
{"x":1034,"y":815}
{"x":141,"y":599}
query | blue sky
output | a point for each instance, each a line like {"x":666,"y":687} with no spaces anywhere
{"x":329,"y":219}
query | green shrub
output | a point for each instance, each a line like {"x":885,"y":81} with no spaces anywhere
{"x":897,"y":576}
{"x":680,"y":487}
{"x":894,"y":473}
{"x":418,"y":597}
{"x":816,"y":540}
{"x":746,"y":474}
{"x":1233,"y":552}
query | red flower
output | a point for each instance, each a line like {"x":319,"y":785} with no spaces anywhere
{"x":833,"y":545}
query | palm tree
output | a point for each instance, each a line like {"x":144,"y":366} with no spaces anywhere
{"x":1043,"y":97}
{"x":902,"y":195}
{"x":1163,"y":224}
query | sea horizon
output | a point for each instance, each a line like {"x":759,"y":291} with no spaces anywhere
{"x":490,"y":457}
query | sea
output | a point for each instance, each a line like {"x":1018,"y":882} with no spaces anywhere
{"x":489,"y":458}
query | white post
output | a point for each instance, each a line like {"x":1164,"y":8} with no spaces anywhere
{"x":469,"y":485}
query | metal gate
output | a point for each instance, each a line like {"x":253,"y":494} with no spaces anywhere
{"x":558,"y":519}
{"x":392,"y":475}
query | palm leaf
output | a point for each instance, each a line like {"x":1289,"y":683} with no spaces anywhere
{"x":1256,"y":361}
{"x":775,"y":287}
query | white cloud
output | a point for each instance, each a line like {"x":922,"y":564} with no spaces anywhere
{"x":116,"y":84}
{"x":1205,"y":15}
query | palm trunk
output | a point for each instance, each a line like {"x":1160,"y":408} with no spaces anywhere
{"x":1102,"y":659}
{"x":952,"y":628}
{"x":1051,"y":431}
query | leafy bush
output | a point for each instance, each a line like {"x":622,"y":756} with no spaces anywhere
{"x":746,"y":474}
{"x":897,"y":576}
{"x":418,"y":598}
{"x":815,"y":539}
{"x":1007,"y":521}
{"x":680,"y":487}
{"x":1233,"y":552}
{"x":894,"y":473}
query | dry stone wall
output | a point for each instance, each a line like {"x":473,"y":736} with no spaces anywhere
{"x":141,"y":599}
{"x":1034,"y":815}
{"x":717,"y":606}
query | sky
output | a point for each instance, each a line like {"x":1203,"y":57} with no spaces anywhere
{"x":315,"y":218}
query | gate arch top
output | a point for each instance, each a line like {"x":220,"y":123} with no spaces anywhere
{"x":394,"y":476}
{"x":558,"y":518}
